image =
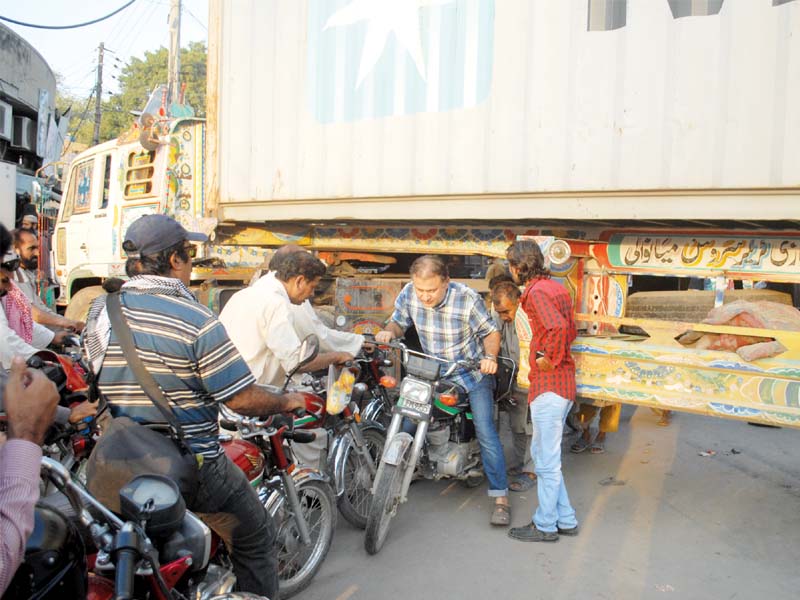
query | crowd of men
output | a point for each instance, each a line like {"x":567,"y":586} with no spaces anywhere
{"x":200,"y":360}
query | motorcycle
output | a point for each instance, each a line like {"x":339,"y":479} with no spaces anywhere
{"x":299,"y":499}
{"x":376,"y":406}
{"x":444,"y":444}
{"x":354,"y":446}
{"x":154,"y":549}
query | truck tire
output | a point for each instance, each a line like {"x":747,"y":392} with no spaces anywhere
{"x":78,"y":306}
{"x":691,"y":305}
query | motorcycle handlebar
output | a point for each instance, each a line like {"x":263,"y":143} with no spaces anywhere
{"x":125,"y":571}
{"x":301,"y":437}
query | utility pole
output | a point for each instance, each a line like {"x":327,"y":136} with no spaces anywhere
{"x":173,"y":85}
{"x":98,"y":95}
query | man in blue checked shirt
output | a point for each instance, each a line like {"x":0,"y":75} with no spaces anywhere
{"x":453,"y":323}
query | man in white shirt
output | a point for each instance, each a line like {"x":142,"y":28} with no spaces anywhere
{"x":261,"y":322}
{"x":306,"y":319}
{"x":26,"y":245}
{"x":15,"y":342}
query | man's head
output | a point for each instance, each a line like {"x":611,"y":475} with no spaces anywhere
{"x":300,"y":273}
{"x":430,"y":278}
{"x":281,"y":253}
{"x":159,"y":245}
{"x":526,"y":261}
{"x":5,"y":246}
{"x":505,"y":299}
{"x":26,"y":244}
{"x":29,"y":222}
{"x":9,"y":264}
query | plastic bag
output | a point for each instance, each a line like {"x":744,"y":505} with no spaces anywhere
{"x":340,"y":387}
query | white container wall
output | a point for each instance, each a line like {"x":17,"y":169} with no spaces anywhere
{"x":504,"y":109}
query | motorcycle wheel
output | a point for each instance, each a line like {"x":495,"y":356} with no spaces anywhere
{"x":355,"y":501}
{"x":297,"y":563}
{"x":383,"y":507}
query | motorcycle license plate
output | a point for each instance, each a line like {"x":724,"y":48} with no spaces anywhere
{"x":411,"y":406}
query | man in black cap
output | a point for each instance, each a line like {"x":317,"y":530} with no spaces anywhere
{"x":189,"y":354}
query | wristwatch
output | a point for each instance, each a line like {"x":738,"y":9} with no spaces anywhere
{"x":491,"y":357}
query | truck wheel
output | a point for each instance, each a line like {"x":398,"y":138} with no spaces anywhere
{"x":691,"y":305}
{"x":78,"y":306}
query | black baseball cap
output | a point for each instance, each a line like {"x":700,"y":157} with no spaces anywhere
{"x":151,"y":234}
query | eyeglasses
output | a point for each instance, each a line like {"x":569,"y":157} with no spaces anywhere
{"x":11,"y":265}
{"x":191,"y":250}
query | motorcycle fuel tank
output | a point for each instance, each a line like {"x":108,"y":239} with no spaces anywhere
{"x":247,"y":457}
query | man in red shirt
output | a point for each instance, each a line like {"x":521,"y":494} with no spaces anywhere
{"x":552,"y":388}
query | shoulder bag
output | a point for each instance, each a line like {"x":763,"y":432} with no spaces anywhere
{"x":126,"y":448}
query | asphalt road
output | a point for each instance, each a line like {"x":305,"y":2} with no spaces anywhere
{"x":681,"y":526}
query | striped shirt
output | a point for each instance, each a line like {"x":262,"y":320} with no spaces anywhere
{"x":453,"y":330}
{"x":186,"y":350}
{"x":549,"y":308}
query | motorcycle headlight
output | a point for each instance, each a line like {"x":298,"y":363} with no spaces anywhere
{"x":416,"y":390}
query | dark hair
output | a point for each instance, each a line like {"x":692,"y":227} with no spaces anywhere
{"x":156,"y":264}
{"x":498,"y":279}
{"x":505,"y":289}
{"x":5,"y":240}
{"x":429,"y":265}
{"x":527,"y":258}
{"x":19,"y":233}
{"x":299,"y":263}
{"x":281,"y":253}
{"x":112,"y":284}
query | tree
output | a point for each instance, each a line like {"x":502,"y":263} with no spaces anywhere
{"x":137,"y":80}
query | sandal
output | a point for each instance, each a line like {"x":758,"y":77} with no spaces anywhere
{"x":580,"y":446}
{"x":597,"y":448}
{"x":523,"y":483}
{"x":501,"y":515}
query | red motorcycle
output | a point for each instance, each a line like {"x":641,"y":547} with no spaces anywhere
{"x":299,"y":499}
{"x":154,"y":549}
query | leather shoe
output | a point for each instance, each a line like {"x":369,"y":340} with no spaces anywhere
{"x":530,"y":533}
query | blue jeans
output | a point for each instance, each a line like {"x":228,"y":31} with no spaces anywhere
{"x":548,"y":413}
{"x":481,"y":401}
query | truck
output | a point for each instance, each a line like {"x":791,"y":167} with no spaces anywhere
{"x":649,"y":145}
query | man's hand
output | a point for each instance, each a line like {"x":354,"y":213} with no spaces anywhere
{"x":384,"y":337}
{"x":488,"y":366}
{"x":294,"y":400}
{"x":342,"y":357}
{"x":82,"y":410}
{"x":544,"y":364}
{"x":60,"y":337}
{"x":76,"y":326}
{"x":30,"y":403}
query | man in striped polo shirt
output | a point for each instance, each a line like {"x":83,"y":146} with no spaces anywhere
{"x":189,"y":354}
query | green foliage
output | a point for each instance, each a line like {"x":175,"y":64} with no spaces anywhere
{"x":137,"y":80}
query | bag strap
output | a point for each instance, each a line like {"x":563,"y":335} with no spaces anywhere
{"x":143,"y":376}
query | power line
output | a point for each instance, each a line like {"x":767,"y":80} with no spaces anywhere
{"x":35,"y":26}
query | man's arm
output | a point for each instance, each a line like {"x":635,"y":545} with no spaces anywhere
{"x":46,"y":317}
{"x":491,"y":348}
{"x":306,"y":321}
{"x":391,"y":332}
{"x":30,"y":401}
{"x":257,"y":401}
{"x":13,"y":345}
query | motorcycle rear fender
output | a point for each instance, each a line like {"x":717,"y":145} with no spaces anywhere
{"x":396,"y":448}
{"x":275,"y":497}
{"x":338,"y":452}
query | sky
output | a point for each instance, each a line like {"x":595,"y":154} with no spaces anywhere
{"x":72,"y":53}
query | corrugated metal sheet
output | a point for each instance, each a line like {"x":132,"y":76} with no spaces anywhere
{"x":504,"y":108}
